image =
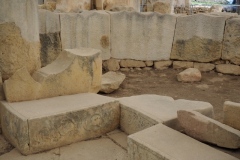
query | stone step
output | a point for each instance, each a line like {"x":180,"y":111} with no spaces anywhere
{"x":162,"y":142}
{"x":39,"y":125}
{"x":143,"y":111}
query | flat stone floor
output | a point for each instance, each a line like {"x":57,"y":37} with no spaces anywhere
{"x":109,"y":147}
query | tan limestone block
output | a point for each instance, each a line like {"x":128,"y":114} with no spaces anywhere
{"x":132,"y":63}
{"x":162,"y":64}
{"x":228,"y":69}
{"x":231,"y":112}
{"x":182,"y":64}
{"x":74,"y":71}
{"x":208,"y":130}
{"x":204,"y":67}
{"x":21,"y":87}
{"x":189,"y":75}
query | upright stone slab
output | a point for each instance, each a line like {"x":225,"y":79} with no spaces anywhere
{"x":49,"y":28}
{"x":40,"y":125}
{"x":231,"y":47}
{"x":143,"y":111}
{"x":141,"y":36}
{"x":19,"y":40}
{"x":89,"y":29}
{"x":231,"y":112}
{"x":198,"y":38}
{"x":74,"y":71}
{"x":160,"y":142}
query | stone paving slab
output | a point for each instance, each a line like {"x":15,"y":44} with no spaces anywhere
{"x":118,"y":137}
{"x":98,"y":149}
{"x":162,"y":142}
{"x":143,"y":111}
{"x":41,"y":125}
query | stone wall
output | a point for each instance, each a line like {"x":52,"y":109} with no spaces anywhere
{"x":151,"y":40}
{"x":19,"y":40}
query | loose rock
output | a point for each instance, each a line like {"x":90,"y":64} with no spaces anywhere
{"x":111,"y":81}
{"x":189,"y":75}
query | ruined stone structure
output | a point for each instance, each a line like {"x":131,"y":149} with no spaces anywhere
{"x":49,"y":112}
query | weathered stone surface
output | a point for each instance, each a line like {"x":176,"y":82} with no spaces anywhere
{"x":16,"y":155}
{"x":198,"y":38}
{"x":117,"y":8}
{"x":2,"y":94}
{"x":40,"y":125}
{"x":231,"y":112}
{"x":204,"y":67}
{"x":101,"y":148}
{"x":164,"y":6}
{"x":182,"y":64}
{"x":141,"y":36}
{"x":231,"y":47}
{"x":21,"y":87}
{"x":108,"y":4}
{"x":111,"y":65}
{"x":189,"y":75}
{"x":216,"y":8}
{"x":74,"y":71}
{"x":49,"y":28}
{"x":161,"y":142}
{"x":149,"y":63}
{"x":143,"y":111}
{"x":111,"y":81}
{"x":19,"y":40}
{"x":5,"y":146}
{"x":132,"y":63}
{"x":89,"y":29}
{"x":162,"y":64}
{"x":228,"y":69}
{"x":118,"y":137}
{"x":73,"y":5}
{"x":208,"y":130}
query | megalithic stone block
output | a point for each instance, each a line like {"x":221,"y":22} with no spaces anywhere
{"x":231,"y":47}
{"x":40,"y":125}
{"x":21,"y":87}
{"x":231,"y":114}
{"x":208,"y":130}
{"x":89,"y":29}
{"x":49,"y":28}
{"x":19,"y":40}
{"x":74,"y":71}
{"x":198,"y":38}
{"x":141,"y":36}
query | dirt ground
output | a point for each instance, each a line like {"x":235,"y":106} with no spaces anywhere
{"x":214,"y":88}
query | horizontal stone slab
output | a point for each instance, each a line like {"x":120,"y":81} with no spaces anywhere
{"x":208,"y":130}
{"x":162,"y":142}
{"x":40,"y":125}
{"x":143,"y":111}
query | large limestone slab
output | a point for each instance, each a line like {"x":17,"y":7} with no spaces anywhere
{"x":143,"y":111}
{"x":49,"y":28}
{"x":19,"y":40}
{"x":21,"y":87}
{"x":40,"y":125}
{"x":89,"y":29}
{"x":231,"y":47}
{"x":162,"y":142}
{"x":208,"y":130}
{"x":198,"y":38}
{"x":231,"y":112}
{"x":74,"y":71}
{"x":141,"y":36}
